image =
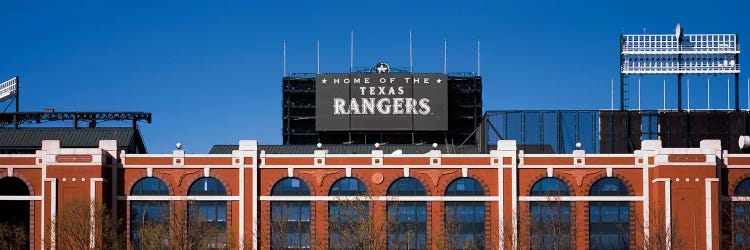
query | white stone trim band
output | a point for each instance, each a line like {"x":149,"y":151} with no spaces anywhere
{"x":580,"y":198}
{"x":379,"y":198}
{"x":177,"y":198}
{"x":20,"y":197}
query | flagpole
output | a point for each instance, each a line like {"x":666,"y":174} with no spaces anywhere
{"x":445,"y":56}
{"x":411,"y":61}
{"x":479,"y":63}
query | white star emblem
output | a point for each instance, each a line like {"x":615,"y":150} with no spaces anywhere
{"x":324,"y":80}
{"x":381,"y":68}
{"x":438,"y":80}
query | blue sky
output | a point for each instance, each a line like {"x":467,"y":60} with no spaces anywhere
{"x":210,"y":71}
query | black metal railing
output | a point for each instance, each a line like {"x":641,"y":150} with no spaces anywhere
{"x":16,"y":119}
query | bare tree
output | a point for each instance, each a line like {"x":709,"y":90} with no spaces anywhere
{"x":659,"y":234}
{"x":736,"y":216}
{"x":290,"y":228}
{"x":186,"y":231}
{"x":549,"y":224}
{"x":407,"y":224}
{"x":235,"y":242}
{"x":445,"y":235}
{"x":405,"y":240}
{"x":74,"y":224}
{"x":13,"y":236}
{"x":509,"y":231}
{"x":153,"y":235}
{"x":279,"y":225}
{"x":353,"y":226}
{"x":448,"y":236}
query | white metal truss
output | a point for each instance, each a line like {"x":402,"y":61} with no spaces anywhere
{"x":680,"y":54}
{"x":691,"y":44}
{"x":8,"y":89}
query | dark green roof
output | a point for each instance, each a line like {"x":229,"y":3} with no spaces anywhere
{"x":30,"y":139}
{"x":349,"y":149}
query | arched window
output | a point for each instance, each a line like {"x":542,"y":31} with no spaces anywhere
{"x":345,"y":218}
{"x":290,"y":220}
{"x":464,"y":220}
{"x":207,"y":186}
{"x":15,"y":212}
{"x":208,"y":216}
{"x":148,"y":213}
{"x":609,"y":221}
{"x":741,"y":215}
{"x":408,"y":219}
{"x":550,"y":219}
{"x":348,"y":187}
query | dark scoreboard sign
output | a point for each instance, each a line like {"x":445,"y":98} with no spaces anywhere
{"x":381,"y":102}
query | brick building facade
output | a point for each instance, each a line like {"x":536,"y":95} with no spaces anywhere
{"x":696,"y":192}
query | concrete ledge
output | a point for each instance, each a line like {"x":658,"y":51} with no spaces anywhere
{"x":248,"y":145}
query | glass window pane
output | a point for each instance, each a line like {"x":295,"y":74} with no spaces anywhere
{"x":612,"y":230}
{"x":149,"y":186}
{"x":290,"y":187}
{"x":410,"y":218}
{"x":207,"y":186}
{"x":546,"y":227}
{"x":549,"y":187}
{"x":743,"y":189}
{"x":295,"y":225}
{"x":343,"y":216}
{"x":467,"y":223}
{"x":146,"y":212}
{"x":464,"y":187}
{"x":624,"y":212}
{"x":348,"y":187}
{"x":479,"y":213}
{"x":407,"y":187}
{"x":609,"y":186}
{"x":609,"y":214}
{"x":594,"y":213}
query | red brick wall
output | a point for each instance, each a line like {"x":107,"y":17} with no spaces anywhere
{"x":688,"y":197}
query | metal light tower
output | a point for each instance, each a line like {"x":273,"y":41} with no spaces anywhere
{"x":679,"y":54}
{"x":9,"y":91}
